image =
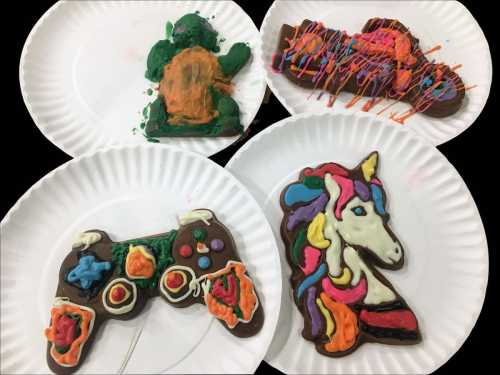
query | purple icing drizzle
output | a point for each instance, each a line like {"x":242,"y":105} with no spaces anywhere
{"x":316,"y":322}
{"x":361,"y":190}
{"x":307,"y":213}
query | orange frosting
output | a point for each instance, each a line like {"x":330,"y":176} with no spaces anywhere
{"x":185,"y":86}
{"x":308,"y":43}
{"x":139,"y":263}
{"x":71,"y":357}
{"x":221,"y":311}
{"x":346,"y":324}
{"x":401,"y":50}
{"x":247,"y":300}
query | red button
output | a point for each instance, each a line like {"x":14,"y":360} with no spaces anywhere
{"x":174,"y":280}
{"x":118,"y":294}
{"x":186,"y":251}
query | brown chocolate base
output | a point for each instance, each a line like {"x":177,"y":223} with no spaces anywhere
{"x":436,"y":109}
{"x":103,"y":250}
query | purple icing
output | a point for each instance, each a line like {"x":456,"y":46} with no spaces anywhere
{"x":216,"y":244}
{"x":316,"y":321}
{"x":362,"y":190}
{"x":307,"y":213}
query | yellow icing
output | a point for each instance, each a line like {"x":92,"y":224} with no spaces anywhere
{"x":342,"y":279}
{"x":315,"y":232}
{"x":369,"y":165}
{"x":330,"y":325}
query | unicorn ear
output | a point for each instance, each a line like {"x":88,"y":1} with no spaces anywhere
{"x":369,"y":166}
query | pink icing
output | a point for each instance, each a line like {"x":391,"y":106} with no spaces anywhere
{"x":346,"y":193}
{"x":376,"y":181}
{"x":350,"y":295}
{"x":311,"y":258}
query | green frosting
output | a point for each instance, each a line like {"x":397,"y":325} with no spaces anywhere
{"x":314,"y":182}
{"x":297,"y":246}
{"x":161,"y":53}
{"x":162,"y":251}
{"x":236,"y":58}
{"x":192,"y":30}
{"x":189,"y":31}
{"x":228,"y":120}
{"x":169,"y":28}
{"x":199,"y":234}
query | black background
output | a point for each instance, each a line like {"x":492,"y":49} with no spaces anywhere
{"x":27,"y":156}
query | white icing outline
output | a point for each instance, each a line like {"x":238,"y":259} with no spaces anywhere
{"x":196,"y":215}
{"x":193,"y":284}
{"x":58,"y":301}
{"x":124,"y":309}
{"x":87,"y":239}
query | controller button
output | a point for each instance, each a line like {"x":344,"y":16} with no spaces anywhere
{"x":186,"y":251}
{"x":204,"y":262}
{"x":217,"y":244}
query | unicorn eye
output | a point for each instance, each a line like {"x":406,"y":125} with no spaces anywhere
{"x":358,"y":211}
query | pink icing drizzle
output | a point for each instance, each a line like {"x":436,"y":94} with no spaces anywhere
{"x":350,"y":295}
{"x":311,"y":258}
{"x":346,"y":193}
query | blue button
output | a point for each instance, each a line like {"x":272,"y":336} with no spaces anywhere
{"x":204,"y":262}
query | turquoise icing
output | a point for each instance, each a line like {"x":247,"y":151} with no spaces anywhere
{"x":300,"y":193}
{"x":378,"y":199}
{"x":311,"y":279}
{"x":88,"y":271}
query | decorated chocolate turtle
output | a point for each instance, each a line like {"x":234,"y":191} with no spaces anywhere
{"x":194,"y":84}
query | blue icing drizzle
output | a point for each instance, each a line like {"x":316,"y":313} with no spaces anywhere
{"x":311,"y":279}
{"x":87,"y":271}
{"x":378,"y":199}
{"x":303,"y":60}
{"x":300,"y":193}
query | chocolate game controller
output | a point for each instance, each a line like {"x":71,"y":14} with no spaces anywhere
{"x":101,"y":279}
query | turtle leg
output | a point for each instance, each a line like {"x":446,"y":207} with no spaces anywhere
{"x":235,"y":59}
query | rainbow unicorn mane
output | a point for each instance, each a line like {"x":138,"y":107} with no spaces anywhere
{"x":335,"y":228}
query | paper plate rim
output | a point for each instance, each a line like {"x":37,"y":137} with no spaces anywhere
{"x":294,"y":119}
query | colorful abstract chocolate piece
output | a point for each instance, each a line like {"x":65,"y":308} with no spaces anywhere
{"x":194,"y":93}
{"x":334,"y":238}
{"x":384,"y":61}
{"x":124,"y":275}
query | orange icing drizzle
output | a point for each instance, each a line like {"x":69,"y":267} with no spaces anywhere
{"x":71,"y":357}
{"x":247,"y":300}
{"x":185,"y":86}
{"x":346,"y":324}
{"x":139,"y":263}
{"x":384,"y":42}
{"x":434,"y":49}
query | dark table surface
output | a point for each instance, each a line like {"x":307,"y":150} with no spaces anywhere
{"x":27,"y":156}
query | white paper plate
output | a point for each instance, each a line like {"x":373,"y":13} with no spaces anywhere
{"x":447,"y":23}
{"x":432,"y":212}
{"x":131,"y":191}
{"x":82,"y":70}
